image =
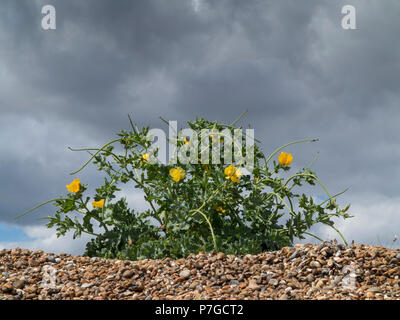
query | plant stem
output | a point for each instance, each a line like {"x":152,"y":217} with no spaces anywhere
{"x":344,"y":240}
{"x":288,"y":144}
{"x":310,"y":234}
{"x":39,"y":205}
{"x":211,"y":228}
{"x":87,"y":162}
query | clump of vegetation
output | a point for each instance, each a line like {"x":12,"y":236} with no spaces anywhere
{"x":194,"y":207}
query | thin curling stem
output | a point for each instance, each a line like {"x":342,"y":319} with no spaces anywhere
{"x":309,"y":175}
{"x":87,"y":162}
{"x":334,"y":196}
{"x":280,"y":198}
{"x":312,"y":162}
{"x":93,"y":149}
{"x":38,"y":206}
{"x":130,"y":121}
{"x":240,"y":117}
{"x":286,"y":145}
{"x":344,"y":240}
{"x":210,"y":225}
{"x":312,"y":235}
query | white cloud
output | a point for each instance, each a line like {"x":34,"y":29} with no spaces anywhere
{"x":376,"y":221}
{"x":43,"y":238}
{"x":46,"y":239}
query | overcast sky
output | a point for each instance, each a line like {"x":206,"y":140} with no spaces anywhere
{"x":290,"y":63}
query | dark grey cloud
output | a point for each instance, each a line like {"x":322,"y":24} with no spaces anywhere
{"x":291,"y":65}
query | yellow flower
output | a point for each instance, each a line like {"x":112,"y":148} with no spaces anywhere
{"x":98,"y":204}
{"x":285,"y":158}
{"x":219,"y":209}
{"x":186,"y":141}
{"x":233,"y":173}
{"x":74,"y":186}
{"x":177,"y":174}
{"x":145,"y":157}
{"x":229,"y":171}
{"x":205,"y":167}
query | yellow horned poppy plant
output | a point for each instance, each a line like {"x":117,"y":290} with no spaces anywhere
{"x":285,"y":158}
{"x":98,"y":204}
{"x":74,"y":186}
{"x":177,"y":174}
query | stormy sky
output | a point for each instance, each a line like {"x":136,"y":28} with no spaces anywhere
{"x":289,"y":63}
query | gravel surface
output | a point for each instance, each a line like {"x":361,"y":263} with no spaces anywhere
{"x":305,"y":271}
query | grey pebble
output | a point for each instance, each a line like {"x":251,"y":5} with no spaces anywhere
{"x":185,"y":273}
{"x":294,"y":255}
{"x":19,"y":284}
{"x":273,"y":282}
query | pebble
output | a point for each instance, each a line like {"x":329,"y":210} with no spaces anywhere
{"x":220,"y":256}
{"x":199,"y":288}
{"x":315,"y":264}
{"x":304,"y":271}
{"x":294,"y":255}
{"x":273,"y":282}
{"x":185,"y":273}
{"x":19,"y":284}
{"x":253,"y":285}
{"x":128,"y":274}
